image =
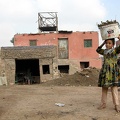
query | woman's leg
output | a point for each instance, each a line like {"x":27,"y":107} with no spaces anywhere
{"x":103,"y":98}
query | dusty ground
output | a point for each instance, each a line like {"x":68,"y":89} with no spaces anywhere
{"x":38,"y":102}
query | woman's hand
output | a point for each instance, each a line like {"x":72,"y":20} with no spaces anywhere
{"x":102,"y":44}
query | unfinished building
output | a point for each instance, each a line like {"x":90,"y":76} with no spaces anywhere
{"x":28,"y":65}
{"x":75,"y":50}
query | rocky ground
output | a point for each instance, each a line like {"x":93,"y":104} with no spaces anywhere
{"x":71,"y":97}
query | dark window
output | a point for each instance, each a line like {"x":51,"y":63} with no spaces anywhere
{"x":46,"y":69}
{"x":88,"y":43}
{"x":33,"y":42}
{"x":84,"y":64}
{"x":63,"y":68}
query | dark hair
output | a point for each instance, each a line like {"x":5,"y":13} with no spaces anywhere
{"x":112,"y":39}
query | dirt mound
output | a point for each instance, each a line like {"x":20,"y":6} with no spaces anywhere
{"x":87,"y":77}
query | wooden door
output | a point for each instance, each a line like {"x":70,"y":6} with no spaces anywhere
{"x":63,"y":48}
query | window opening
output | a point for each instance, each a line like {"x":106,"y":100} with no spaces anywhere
{"x":46,"y":69}
{"x":63,"y":68}
{"x":84,"y":65}
{"x":87,"y":43}
{"x":33,"y":42}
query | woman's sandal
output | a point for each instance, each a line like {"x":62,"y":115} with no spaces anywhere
{"x":103,"y":106}
{"x":116,"y":109}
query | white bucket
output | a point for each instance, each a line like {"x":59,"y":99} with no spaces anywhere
{"x":109,"y":31}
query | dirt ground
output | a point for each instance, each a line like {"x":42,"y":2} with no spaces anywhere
{"x":80,"y":100}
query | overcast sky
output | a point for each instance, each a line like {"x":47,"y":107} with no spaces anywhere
{"x":20,"y":16}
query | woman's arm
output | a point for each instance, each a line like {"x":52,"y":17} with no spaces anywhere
{"x":102,"y":44}
{"x":117,"y":49}
{"x":99,"y":49}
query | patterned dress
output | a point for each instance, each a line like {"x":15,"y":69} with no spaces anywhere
{"x":110,"y":72}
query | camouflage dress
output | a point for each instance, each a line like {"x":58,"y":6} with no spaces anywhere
{"x":110,"y":72}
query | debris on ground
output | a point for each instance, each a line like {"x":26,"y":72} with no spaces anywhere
{"x":60,"y":104}
{"x":87,"y":77}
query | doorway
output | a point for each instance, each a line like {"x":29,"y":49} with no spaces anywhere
{"x":27,"y":71}
{"x":63,"y":48}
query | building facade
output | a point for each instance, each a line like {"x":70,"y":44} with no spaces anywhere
{"x":75,"y":50}
{"x":36,"y":58}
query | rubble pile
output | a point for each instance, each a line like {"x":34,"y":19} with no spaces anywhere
{"x":87,"y":77}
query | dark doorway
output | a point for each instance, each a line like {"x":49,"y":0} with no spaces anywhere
{"x":84,"y":64}
{"x":27,"y":71}
{"x":63,"y":68}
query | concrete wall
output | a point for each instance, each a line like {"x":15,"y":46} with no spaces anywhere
{"x":3,"y":79}
{"x":45,"y":54}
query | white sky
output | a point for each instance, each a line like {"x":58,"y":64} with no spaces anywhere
{"x":20,"y":16}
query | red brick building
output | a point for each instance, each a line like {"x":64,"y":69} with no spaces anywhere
{"x":75,"y":50}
